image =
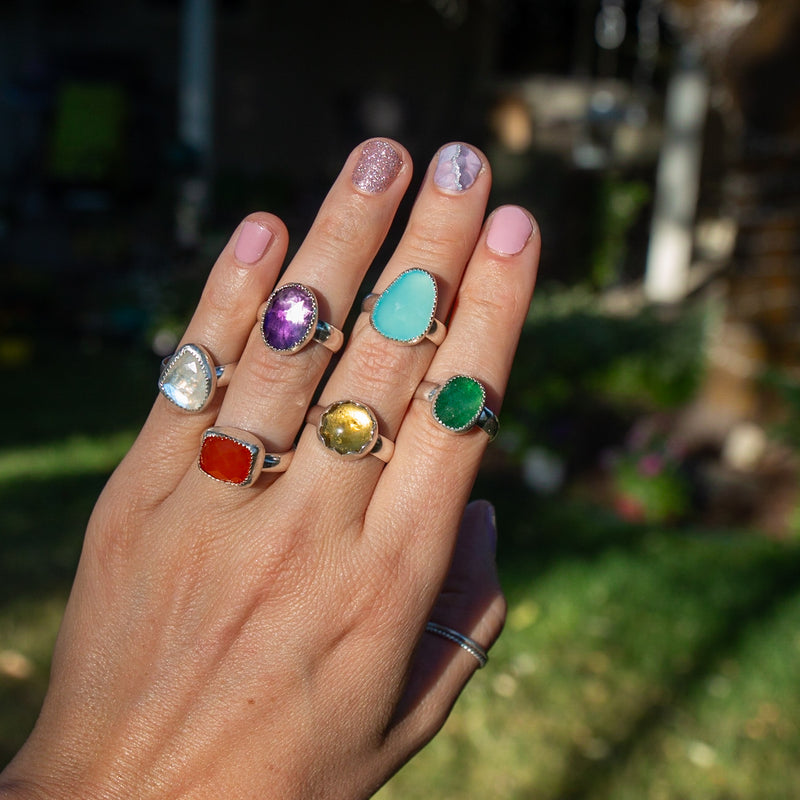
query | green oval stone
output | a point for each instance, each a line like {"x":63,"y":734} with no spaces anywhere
{"x":458,"y":403}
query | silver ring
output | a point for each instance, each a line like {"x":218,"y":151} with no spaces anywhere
{"x":189,"y":377}
{"x":459,"y":404}
{"x":405,"y":311}
{"x":289,"y":320}
{"x":350,"y":430}
{"x":237,"y":457}
{"x":470,"y":645}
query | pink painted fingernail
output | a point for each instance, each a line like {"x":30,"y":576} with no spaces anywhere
{"x":378,"y":165}
{"x":509,"y":230}
{"x":252,"y":242}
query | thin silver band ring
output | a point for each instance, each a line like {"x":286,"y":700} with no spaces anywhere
{"x":464,"y":642}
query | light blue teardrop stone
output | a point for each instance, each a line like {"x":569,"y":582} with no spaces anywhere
{"x":404,"y":311}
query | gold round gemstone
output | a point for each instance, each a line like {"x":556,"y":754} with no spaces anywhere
{"x":348,"y":428}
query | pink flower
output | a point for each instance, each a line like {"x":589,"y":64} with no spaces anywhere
{"x":650,"y":465}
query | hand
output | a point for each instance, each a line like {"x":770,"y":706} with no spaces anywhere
{"x":269,"y":642}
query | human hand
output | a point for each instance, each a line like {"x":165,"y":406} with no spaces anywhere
{"x":270,"y":641}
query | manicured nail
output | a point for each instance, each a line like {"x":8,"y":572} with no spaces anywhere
{"x":378,"y":165}
{"x":509,"y":230}
{"x":457,"y":169}
{"x":252,"y":242}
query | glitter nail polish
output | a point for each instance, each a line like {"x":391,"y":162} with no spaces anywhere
{"x":378,"y":165}
{"x":457,"y":168}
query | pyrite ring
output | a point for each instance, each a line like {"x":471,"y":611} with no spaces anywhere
{"x":189,"y":377}
{"x":470,"y":645}
{"x":459,"y":404}
{"x":234,"y":456}
{"x":289,"y":320}
{"x":350,"y":430}
{"x":405,"y":311}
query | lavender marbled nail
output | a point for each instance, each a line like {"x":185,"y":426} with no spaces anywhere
{"x":457,"y":169}
{"x":378,"y":165}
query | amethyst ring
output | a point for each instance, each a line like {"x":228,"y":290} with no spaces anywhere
{"x":289,"y":320}
{"x":189,"y":377}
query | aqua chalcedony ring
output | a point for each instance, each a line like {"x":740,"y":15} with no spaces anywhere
{"x":289,"y":320}
{"x":405,"y":311}
{"x":459,"y":404}
{"x":237,"y":457}
{"x":189,"y":377}
{"x":350,"y":430}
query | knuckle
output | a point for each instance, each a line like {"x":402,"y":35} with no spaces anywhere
{"x":384,"y":368}
{"x":339,"y":230}
{"x":489,"y":301}
{"x":263,"y":369}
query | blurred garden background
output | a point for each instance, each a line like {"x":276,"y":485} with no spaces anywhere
{"x":646,"y":476}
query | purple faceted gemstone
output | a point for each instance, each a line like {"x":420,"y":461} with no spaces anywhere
{"x":289,"y":318}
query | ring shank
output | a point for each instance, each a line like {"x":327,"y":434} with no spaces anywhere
{"x":464,"y":642}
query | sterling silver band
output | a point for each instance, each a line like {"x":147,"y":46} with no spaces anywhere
{"x":464,"y":642}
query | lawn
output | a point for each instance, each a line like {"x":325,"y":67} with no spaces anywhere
{"x":638,"y":661}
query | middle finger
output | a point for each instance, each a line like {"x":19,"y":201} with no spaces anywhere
{"x":382,"y":374}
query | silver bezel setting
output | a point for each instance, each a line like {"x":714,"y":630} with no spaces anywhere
{"x":475,"y":417}
{"x":208,"y":370}
{"x":246,"y":440}
{"x":368,"y":446}
{"x":432,"y":321}
{"x":311,"y":328}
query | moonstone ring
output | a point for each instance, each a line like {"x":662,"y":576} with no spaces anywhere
{"x":237,"y":457}
{"x":459,"y":404}
{"x":464,"y":642}
{"x":189,"y":377}
{"x":289,"y":320}
{"x":405,"y":311}
{"x":350,"y":430}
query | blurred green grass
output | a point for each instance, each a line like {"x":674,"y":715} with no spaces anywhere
{"x":638,"y":661}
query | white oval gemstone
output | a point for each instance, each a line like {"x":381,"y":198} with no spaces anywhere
{"x":187,"y":379}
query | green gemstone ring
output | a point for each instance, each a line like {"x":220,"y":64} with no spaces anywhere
{"x":459,"y":404}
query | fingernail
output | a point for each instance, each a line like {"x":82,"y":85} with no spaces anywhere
{"x":457,"y":168}
{"x":509,"y":230}
{"x":378,"y":165}
{"x":491,"y":525}
{"x":252,"y":242}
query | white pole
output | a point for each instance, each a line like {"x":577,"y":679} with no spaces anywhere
{"x":195,"y":112}
{"x":677,"y":182}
